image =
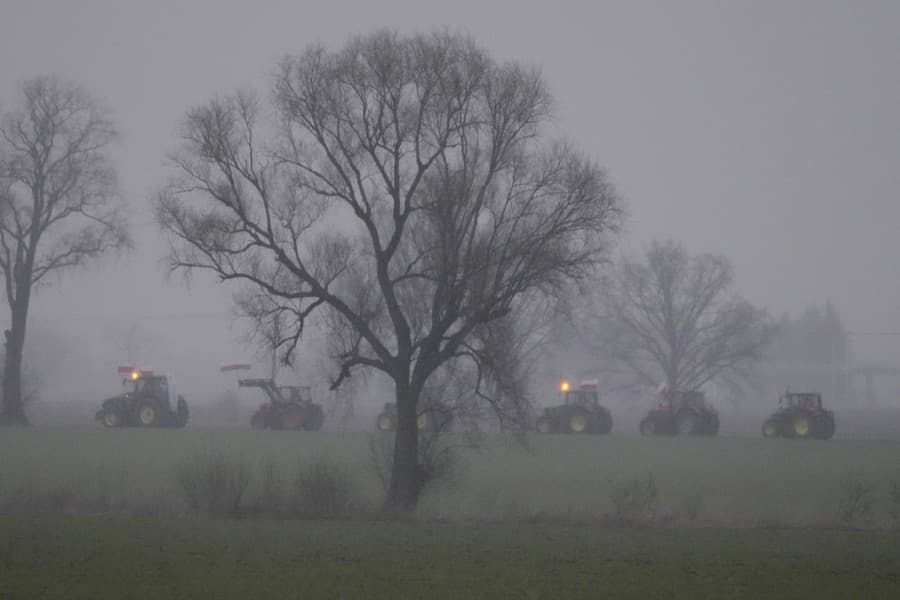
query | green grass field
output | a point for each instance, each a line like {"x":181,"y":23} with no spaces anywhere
{"x":517,"y":522}
{"x":102,"y":557}
{"x":740,"y":480}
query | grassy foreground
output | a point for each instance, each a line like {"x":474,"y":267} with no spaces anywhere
{"x":741,"y":481}
{"x":112,"y":557}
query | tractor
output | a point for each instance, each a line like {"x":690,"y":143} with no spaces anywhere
{"x":800,"y":415}
{"x":681,"y":413}
{"x":289,"y":407}
{"x":434,"y":416}
{"x":580,"y":412}
{"x":150,"y":401}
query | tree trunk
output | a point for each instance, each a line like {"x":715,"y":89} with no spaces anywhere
{"x":13,"y":409}
{"x":405,"y":482}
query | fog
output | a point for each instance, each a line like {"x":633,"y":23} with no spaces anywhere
{"x":768,"y":132}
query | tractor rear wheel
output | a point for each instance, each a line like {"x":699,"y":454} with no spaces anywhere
{"x":292,"y":419}
{"x":544,"y":424}
{"x":825,"y":427}
{"x":111,"y":418}
{"x":385,"y":422}
{"x":769,"y":429}
{"x":314,"y":418}
{"x":647,"y":426}
{"x":182,"y":414}
{"x":603,"y":423}
{"x":802,"y":426}
{"x":686,"y":423}
{"x":579,"y":422}
{"x":147,"y":413}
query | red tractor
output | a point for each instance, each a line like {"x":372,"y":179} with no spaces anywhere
{"x":289,"y":407}
{"x":681,"y":413}
{"x":580,"y":412}
{"x":800,"y":415}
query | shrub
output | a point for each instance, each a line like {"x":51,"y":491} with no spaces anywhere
{"x":635,"y":500}
{"x":271,"y":493}
{"x":440,"y":460}
{"x":211,"y":483}
{"x":856,"y":502}
{"x":894,"y":502}
{"x":324,"y":490}
{"x":692,"y":506}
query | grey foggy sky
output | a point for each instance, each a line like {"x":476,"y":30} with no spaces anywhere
{"x":765,"y":130}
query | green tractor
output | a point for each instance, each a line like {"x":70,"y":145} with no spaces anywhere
{"x":150,"y":401}
{"x":433,"y":416}
{"x":289,"y":407}
{"x":800,"y":415}
{"x":580,"y":412}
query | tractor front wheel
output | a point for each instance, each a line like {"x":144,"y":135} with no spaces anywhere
{"x":544,"y":425}
{"x":647,"y":427}
{"x":686,"y":423}
{"x":769,"y":429}
{"x":111,"y":418}
{"x":425,"y":421}
{"x":712,"y":425}
{"x":258,"y":421}
{"x":802,"y":426}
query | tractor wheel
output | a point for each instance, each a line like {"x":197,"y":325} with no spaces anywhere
{"x":314,"y":418}
{"x":544,"y":424}
{"x":712,"y":425}
{"x":292,"y":420}
{"x":182,"y":414}
{"x":825,"y":427}
{"x":686,"y":423}
{"x":258,"y":420}
{"x":802,"y":426}
{"x":647,"y":426}
{"x":769,"y":429}
{"x":147,"y":413}
{"x":385,"y":422}
{"x":425,"y":421}
{"x":603,"y":423}
{"x":579,"y":422}
{"x":111,"y":418}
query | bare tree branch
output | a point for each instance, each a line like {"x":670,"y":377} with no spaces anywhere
{"x":59,"y":201}
{"x":673,"y":318}
{"x":404,"y":186}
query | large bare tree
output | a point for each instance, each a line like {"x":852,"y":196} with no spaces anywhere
{"x":675,"y":319}
{"x":403,"y":185}
{"x":59,"y":203}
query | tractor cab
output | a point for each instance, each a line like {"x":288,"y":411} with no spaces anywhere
{"x":268,"y":387}
{"x":585,"y":395}
{"x":298,"y":394}
{"x":801,"y":401}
